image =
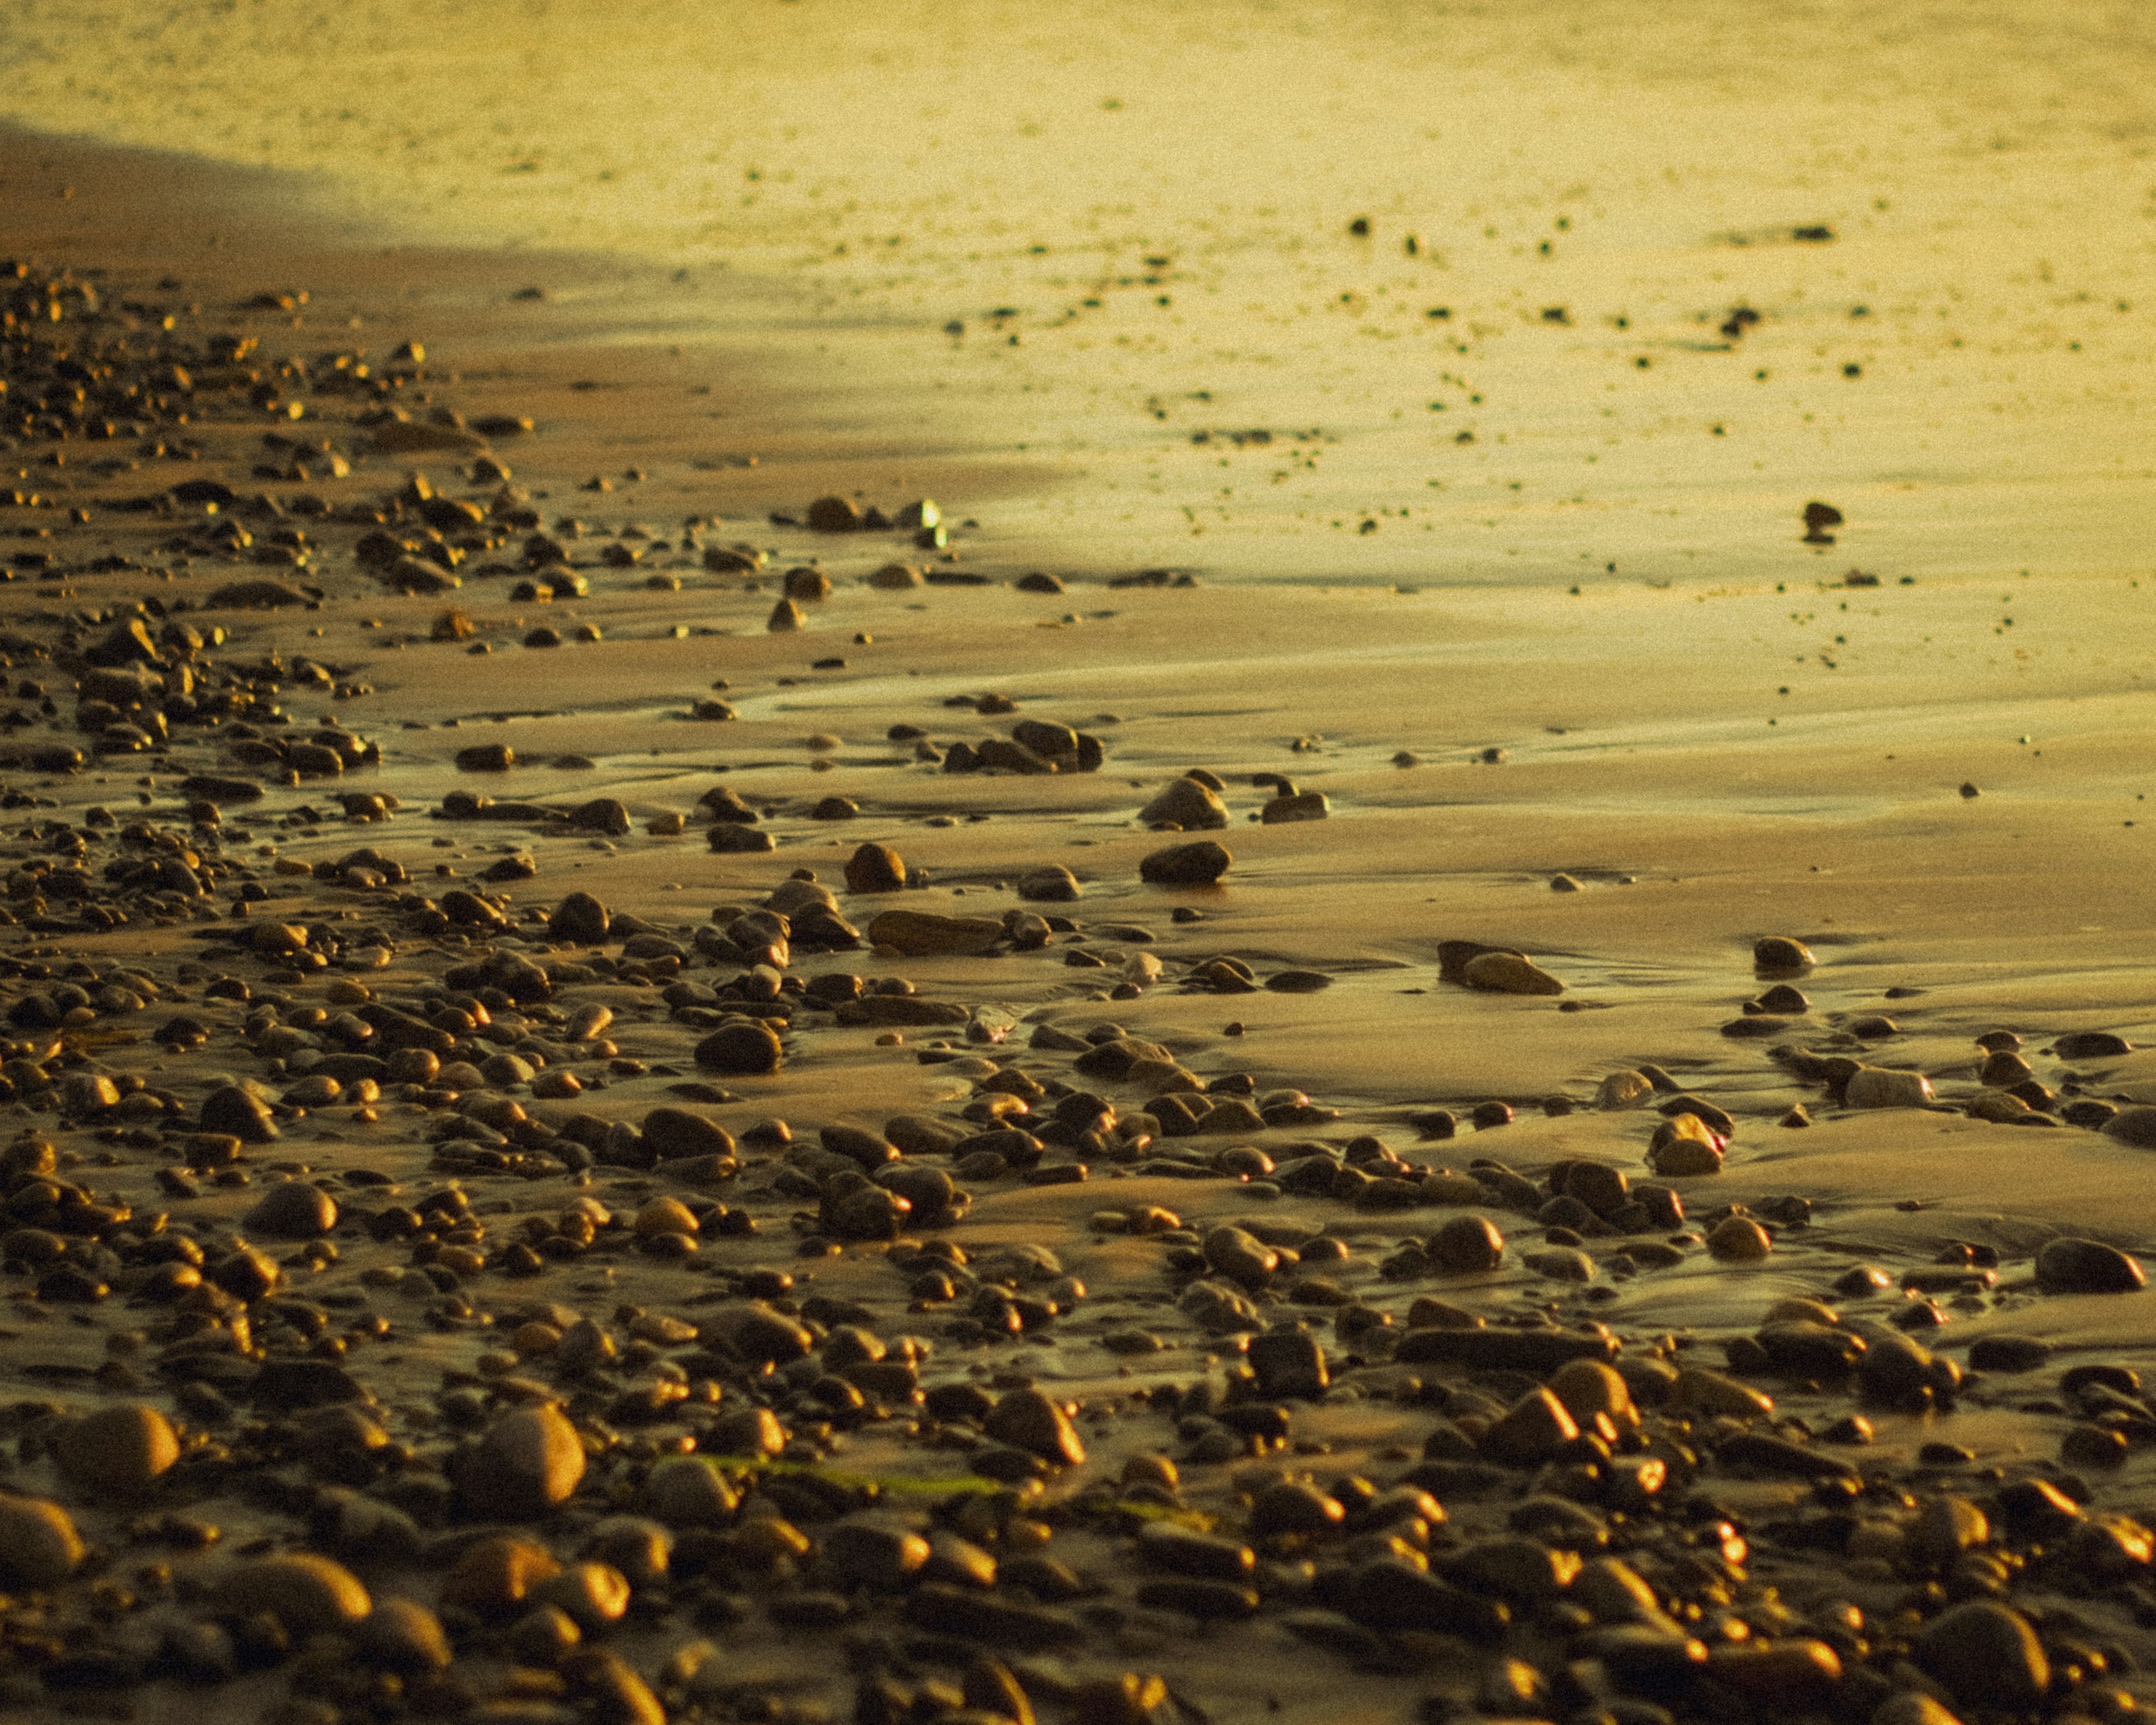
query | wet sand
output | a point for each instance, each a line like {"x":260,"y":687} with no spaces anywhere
{"x":1645,"y":749}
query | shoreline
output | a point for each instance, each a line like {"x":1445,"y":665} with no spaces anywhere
{"x":1842,"y":824}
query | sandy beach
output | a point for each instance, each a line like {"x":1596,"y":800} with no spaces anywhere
{"x":959,"y":871}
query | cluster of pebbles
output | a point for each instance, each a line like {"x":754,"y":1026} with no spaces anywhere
{"x":368,"y":1358}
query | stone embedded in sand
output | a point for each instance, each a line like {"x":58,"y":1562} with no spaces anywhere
{"x":579,"y":917}
{"x":688,"y":1492}
{"x":38,"y":1545}
{"x":728,"y":838}
{"x":1028,"y":1419}
{"x":296,"y":1210}
{"x":1509,"y":973}
{"x":211,"y":787}
{"x":497,"y":1576}
{"x":1467,"y":1245}
{"x":256,"y":596}
{"x":1186,"y":803}
{"x":402,"y":1636}
{"x":307,"y":1593}
{"x":486,"y":757}
{"x":2133,"y":1126}
{"x":895,"y":577}
{"x":875,"y":868}
{"x":1052,"y":884}
{"x":2087,"y":1266}
{"x":1531,"y":1430}
{"x":670,"y":1133}
{"x":744,"y":1050}
{"x":2091,"y":1046}
{"x":530,"y":1460}
{"x":1987,"y":1655}
{"x":1886,"y":1087}
{"x":834,"y":515}
{"x":785,"y":618}
{"x":923,"y":934}
{"x":1304,"y":805}
{"x":1198,"y":864}
{"x":120,"y":1450}
{"x":1775,"y":952}
{"x":1621,"y":1090}
{"x":1739,"y":1239}
{"x":234,"y":1113}
{"x":602,"y":814}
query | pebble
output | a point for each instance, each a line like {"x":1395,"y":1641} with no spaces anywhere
{"x":293,"y":1210}
{"x":1508,"y":974}
{"x":402,"y":1635}
{"x":1886,"y":1087}
{"x":1051,"y":885}
{"x":238,"y":1114}
{"x":530,"y":1460}
{"x":1986,"y":1655}
{"x":120,"y":1450}
{"x":1196,"y":864}
{"x":38,"y":1545}
{"x":2136,"y":1127}
{"x":1773,"y":954}
{"x":1467,"y":1245}
{"x":875,"y":868}
{"x":925,"y":934}
{"x":741,"y":1050}
{"x":1187,"y":805}
{"x":1030,"y":1420}
{"x":1739,"y":1239}
{"x":307,"y":1593}
{"x":2087,"y":1266}
{"x":497,"y":1576}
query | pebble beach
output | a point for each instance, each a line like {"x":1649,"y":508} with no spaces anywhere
{"x":1197,"y":949}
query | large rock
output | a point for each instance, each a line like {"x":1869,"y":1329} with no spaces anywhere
{"x":1886,"y":1087}
{"x":875,"y":868}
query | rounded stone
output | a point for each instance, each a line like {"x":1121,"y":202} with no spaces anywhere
{"x":875,"y":868}
{"x":1987,"y":1655}
{"x":2136,"y":1127}
{"x":1739,"y":1239}
{"x":296,"y":1210}
{"x":1886,"y":1087}
{"x":2087,"y":1266}
{"x":579,"y":917}
{"x":497,"y":1576}
{"x":307,"y":1593}
{"x":1185,"y":803}
{"x":741,"y":1049}
{"x":530,"y":1461}
{"x":1030,"y":1420}
{"x":118,"y":1450}
{"x":687,"y":1492}
{"x":402,"y":1635}
{"x":1467,"y":1245}
{"x":39,"y":1544}
{"x":1508,"y":974}
{"x":1773,"y":952}
{"x":1051,"y":885}
{"x":236,"y":1113}
{"x":1197,"y":865}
